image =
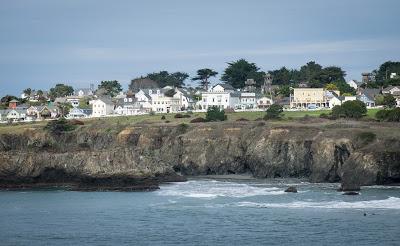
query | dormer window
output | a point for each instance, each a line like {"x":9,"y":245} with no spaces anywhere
{"x":130,"y":99}
{"x":150,"y":91}
{"x":158,"y":92}
{"x":125,"y":99}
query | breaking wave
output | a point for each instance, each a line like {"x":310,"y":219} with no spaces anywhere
{"x":212,"y":189}
{"x":389,"y":203}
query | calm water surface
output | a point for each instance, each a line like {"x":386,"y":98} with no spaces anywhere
{"x":203,"y":212}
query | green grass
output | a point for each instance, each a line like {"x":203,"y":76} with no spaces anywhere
{"x":169,"y":119}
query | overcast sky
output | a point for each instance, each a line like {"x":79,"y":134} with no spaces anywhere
{"x":79,"y":42}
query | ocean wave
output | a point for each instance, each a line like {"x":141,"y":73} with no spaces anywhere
{"x":389,"y":203}
{"x":210,"y":190}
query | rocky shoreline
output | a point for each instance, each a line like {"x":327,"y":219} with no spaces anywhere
{"x":140,"y":157}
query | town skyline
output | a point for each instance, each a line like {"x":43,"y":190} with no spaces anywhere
{"x":49,"y":43}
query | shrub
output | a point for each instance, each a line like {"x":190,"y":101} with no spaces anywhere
{"x":181,"y":128}
{"x":392,"y":115}
{"x":364,"y":138}
{"x":163,"y":117}
{"x":198,"y":120}
{"x":389,"y":101}
{"x":167,"y":121}
{"x":179,"y":116}
{"x":274,"y":112}
{"x":59,"y":126}
{"x":350,"y":109}
{"x":215,"y":114}
{"x":242,"y":119}
{"x":77,"y":122}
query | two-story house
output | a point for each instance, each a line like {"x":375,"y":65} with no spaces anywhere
{"x":102,"y":106}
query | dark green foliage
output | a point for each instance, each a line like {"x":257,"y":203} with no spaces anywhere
{"x":198,"y":120}
{"x":110,"y":87}
{"x":215,"y":114}
{"x":384,"y":71}
{"x":170,"y":93}
{"x":59,"y":126}
{"x":181,"y":128}
{"x":203,"y":75}
{"x":179,"y":116}
{"x":242,"y":119}
{"x":350,"y":109}
{"x":239,"y":71}
{"x":61,"y":90}
{"x":164,"y":78}
{"x":389,"y":101}
{"x":274,"y":112}
{"x":343,"y":87}
{"x":163,"y":117}
{"x":392,"y":115}
{"x":364,"y":138}
{"x":7,"y":98}
{"x":313,"y":73}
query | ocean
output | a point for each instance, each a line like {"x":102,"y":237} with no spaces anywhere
{"x":203,"y":212}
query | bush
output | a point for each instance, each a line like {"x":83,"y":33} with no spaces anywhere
{"x":181,"y":128}
{"x":77,"y":122}
{"x":179,"y":116}
{"x":392,"y":115}
{"x":350,"y":109}
{"x":163,"y":117}
{"x":59,"y":126}
{"x":242,"y":119}
{"x":389,"y":101}
{"x":364,"y":138}
{"x":274,"y":112}
{"x":198,"y":120}
{"x":215,"y":114}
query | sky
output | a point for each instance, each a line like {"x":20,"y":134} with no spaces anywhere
{"x":80,"y":42}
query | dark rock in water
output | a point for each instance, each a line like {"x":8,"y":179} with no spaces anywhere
{"x":349,"y":187}
{"x":351,"y":193}
{"x":291,"y":189}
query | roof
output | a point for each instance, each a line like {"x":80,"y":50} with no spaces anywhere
{"x":226,"y":86}
{"x":13,"y":101}
{"x":4,"y":111}
{"x":390,"y":88}
{"x":371,"y":93}
{"x":106,"y":100}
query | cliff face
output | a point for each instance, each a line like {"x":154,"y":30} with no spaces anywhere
{"x":147,"y":154}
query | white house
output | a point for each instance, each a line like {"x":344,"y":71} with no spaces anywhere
{"x":264,"y":102}
{"x":221,"y":95}
{"x":16,"y":115}
{"x":354,"y":83}
{"x":102,"y":107}
{"x":84,"y":92}
{"x":144,"y":99}
{"x":391,"y":90}
{"x":247,"y":100}
{"x":78,"y":113}
{"x":128,"y":106}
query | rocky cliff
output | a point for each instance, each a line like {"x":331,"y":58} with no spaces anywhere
{"x":140,"y":156}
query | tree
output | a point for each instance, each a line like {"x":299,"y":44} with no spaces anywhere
{"x":64,"y":108}
{"x":331,"y":87}
{"x":214,"y":113}
{"x":61,"y":90}
{"x":274,"y":112}
{"x":281,"y":76}
{"x":239,"y":71}
{"x":311,"y":72}
{"x":27,"y":91}
{"x":384,"y":71}
{"x":111,"y":87}
{"x":343,"y":87}
{"x":142,"y":83}
{"x":389,"y":101}
{"x":284,"y":90}
{"x":350,"y":109}
{"x":203,"y":75}
{"x":164,"y":78}
{"x":170,"y":93}
{"x":8,"y":98}
{"x":331,"y":74}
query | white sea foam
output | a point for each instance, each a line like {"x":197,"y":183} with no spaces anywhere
{"x":389,"y":203}
{"x":210,"y":190}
